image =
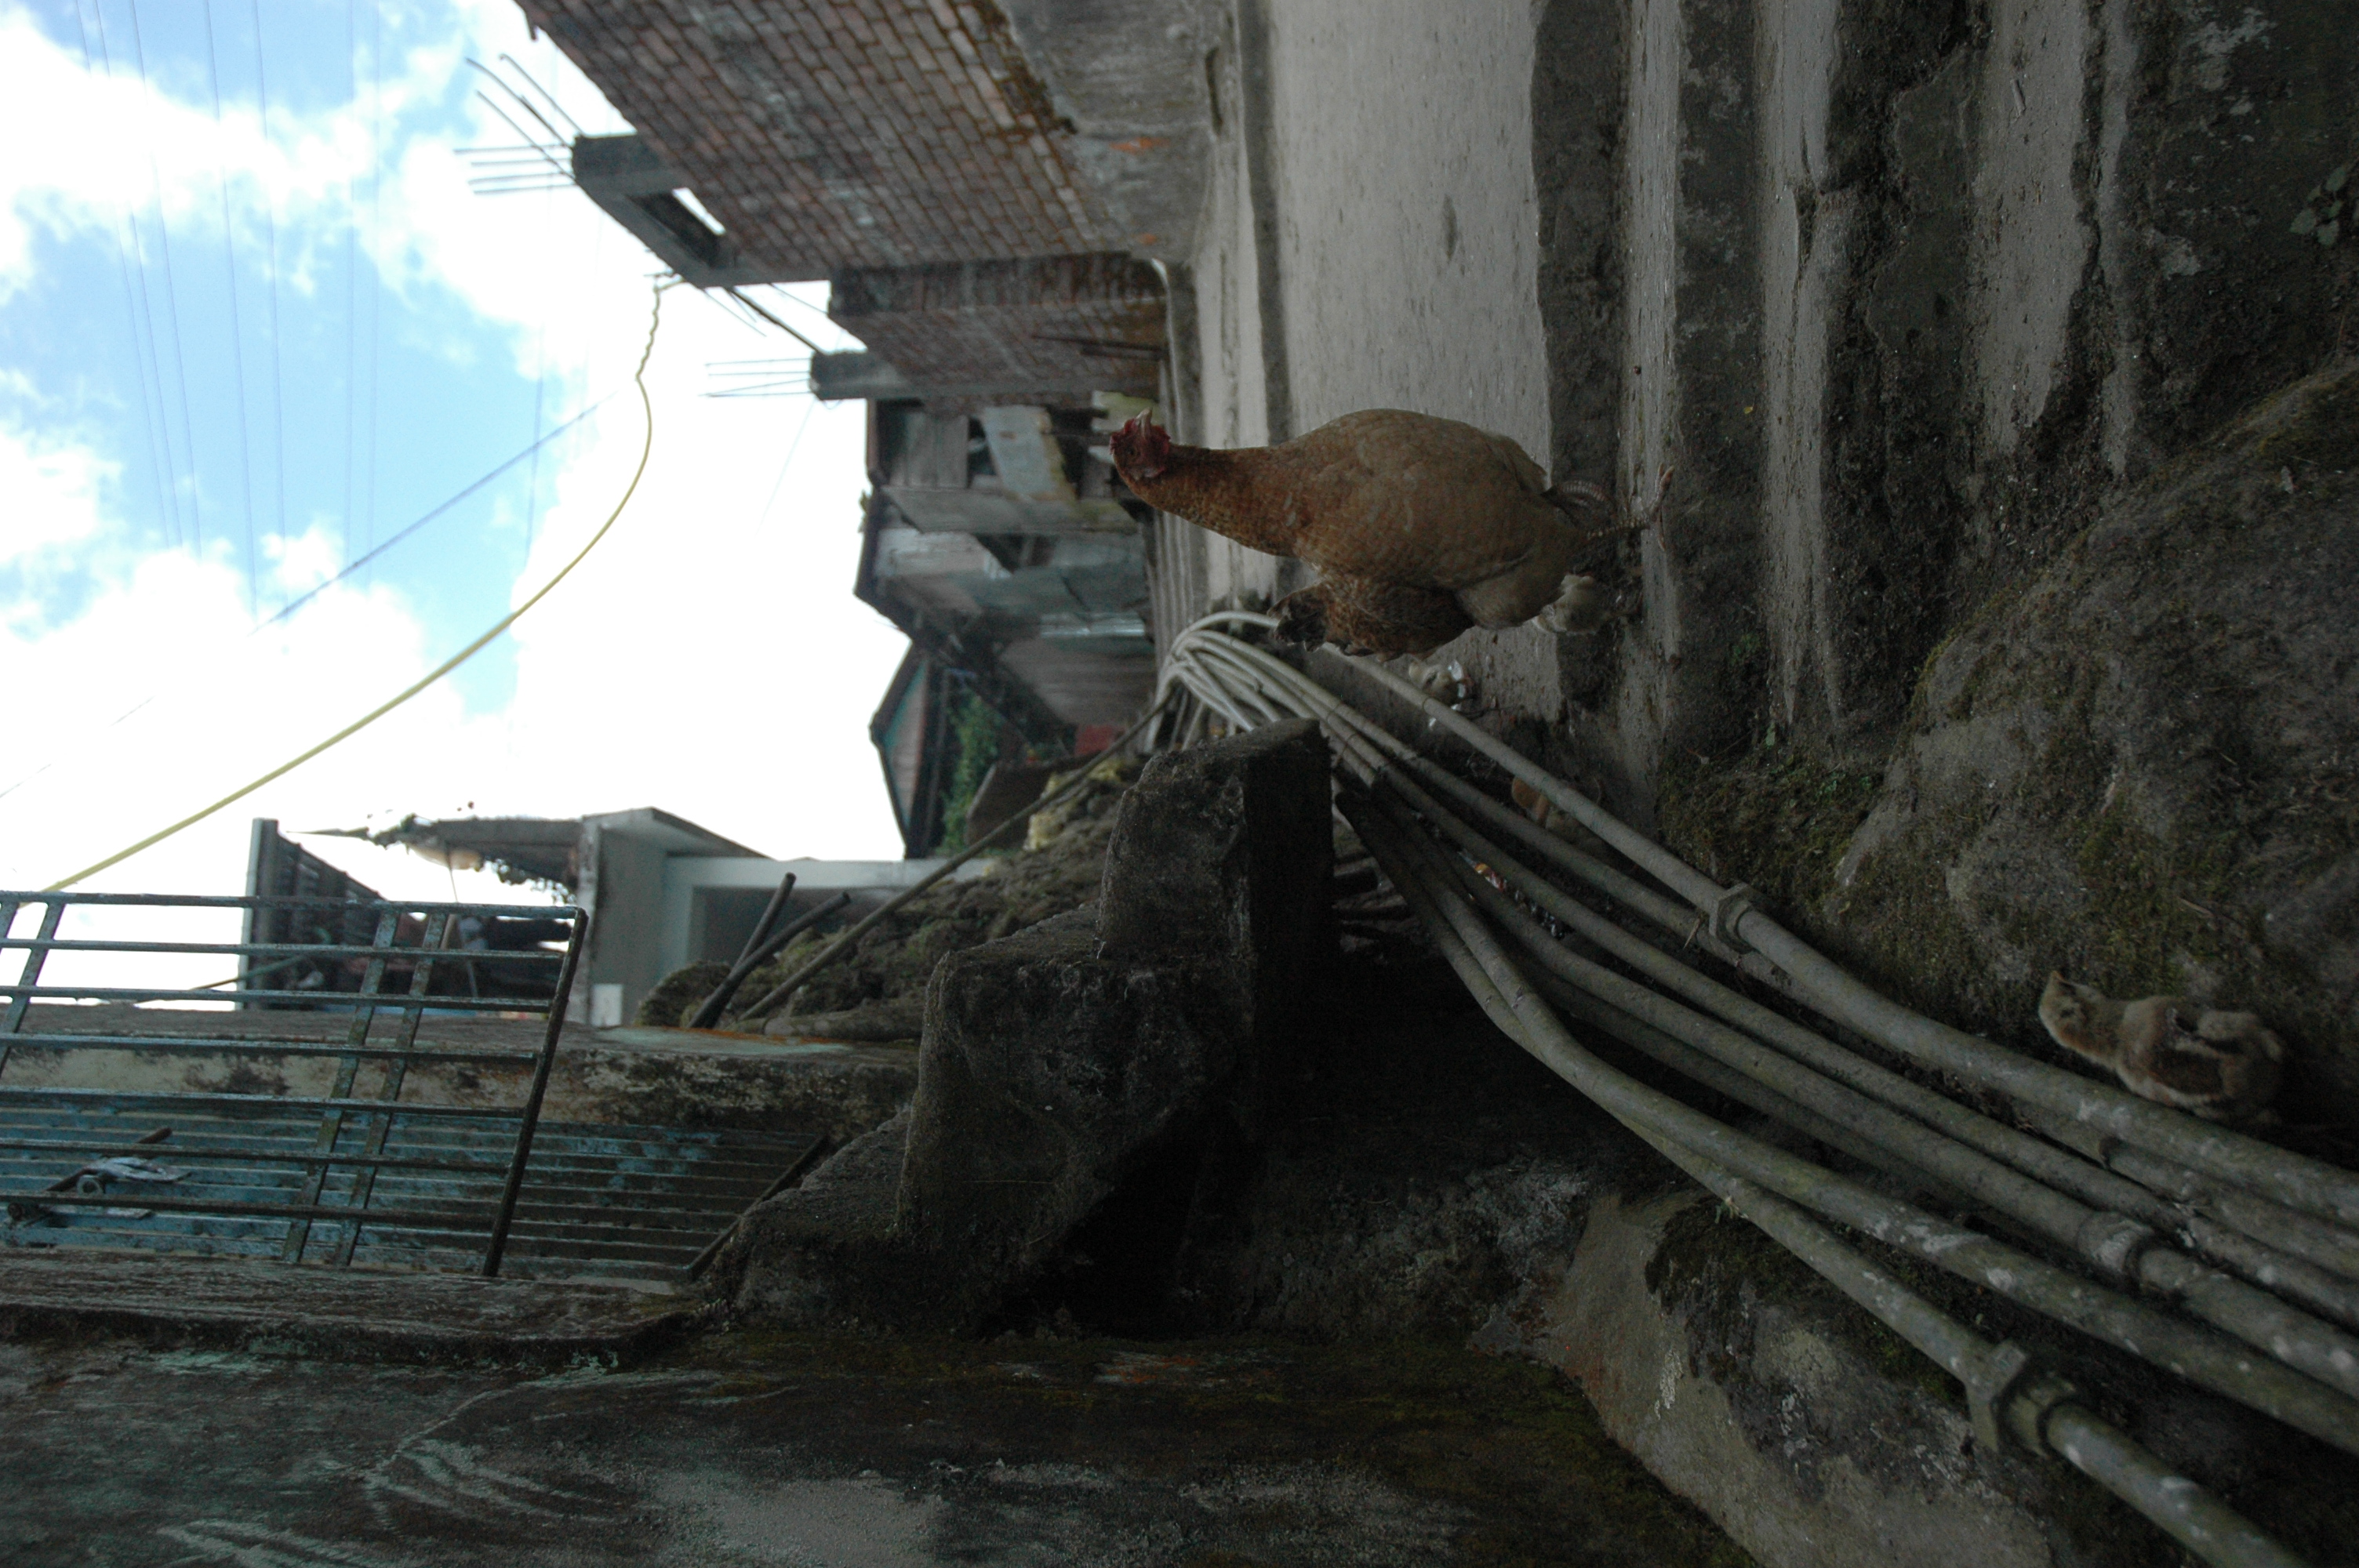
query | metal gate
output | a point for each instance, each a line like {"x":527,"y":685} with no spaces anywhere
{"x":392,"y":971}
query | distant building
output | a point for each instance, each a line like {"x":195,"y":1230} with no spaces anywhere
{"x":661,"y":891}
{"x":980,"y":241}
{"x":1001,"y":543}
{"x":989,"y":191}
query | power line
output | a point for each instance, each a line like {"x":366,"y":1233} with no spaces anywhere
{"x":299,"y":603}
{"x":646,"y":449}
{"x":352,"y":272}
{"x":236,"y":329}
{"x":540,"y":401}
{"x":547,"y":97}
{"x":301,"y":599}
{"x":133,"y":303}
{"x":171,"y":296}
{"x":270,"y":228}
{"x":376,"y":274}
{"x":792,"y":447}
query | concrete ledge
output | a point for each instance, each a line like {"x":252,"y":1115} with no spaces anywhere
{"x":335,"y":1315}
{"x":636,"y":1077}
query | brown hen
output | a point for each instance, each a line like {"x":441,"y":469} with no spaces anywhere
{"x":1421,"y":527}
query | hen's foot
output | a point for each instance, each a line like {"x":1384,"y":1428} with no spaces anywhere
{"x":1447,"y":682}
{"x":1584,"y":604}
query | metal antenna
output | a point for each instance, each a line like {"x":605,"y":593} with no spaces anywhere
{"x":547,"y":96}
{"x":773,"y":321}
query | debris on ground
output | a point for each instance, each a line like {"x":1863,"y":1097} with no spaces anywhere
{"x":876,"y":992}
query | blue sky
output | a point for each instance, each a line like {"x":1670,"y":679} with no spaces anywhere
{"x":370,"y":404}
{"x":241,"y":343}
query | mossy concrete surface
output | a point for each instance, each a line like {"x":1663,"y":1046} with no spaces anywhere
{"x":2138,"y":766}
{"x":1434,"y":1181}
{"x":630,"y":1077}
{"x":892,"y":963}
{"x":1818,"y":1437}
{"x":750,"y":1448}
{"x":1130,"y":1048}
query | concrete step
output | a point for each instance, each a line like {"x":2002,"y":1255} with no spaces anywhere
{"x":353,"y":1314}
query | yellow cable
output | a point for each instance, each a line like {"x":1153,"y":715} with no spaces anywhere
{"x":646,"y":446}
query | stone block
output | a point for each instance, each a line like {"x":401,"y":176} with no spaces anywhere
{"x":1049,"y":1076}
{"x":823,"y":1252}
{"x":1062,"y":1065}
{"x":1224,"y":850}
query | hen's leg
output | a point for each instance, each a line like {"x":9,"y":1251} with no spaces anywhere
{"x":1587,"y":604}
{"x":1363,"y":613}
{"x":1580,"y":500}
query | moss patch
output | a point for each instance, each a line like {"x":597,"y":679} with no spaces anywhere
{"x":1717,"y":1272}
{"x":2139,"y":766}
{"x":978,"y":739}
{"x":679,"y":993}
{"x":1778,"y":817}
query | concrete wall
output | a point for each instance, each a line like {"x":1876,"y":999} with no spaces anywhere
{"x":626,"y":934}
{"x":1902,"y":294}
{"x":1876,"y":303}
{"x":1137,"y":99}
{"x":1370,"y":239}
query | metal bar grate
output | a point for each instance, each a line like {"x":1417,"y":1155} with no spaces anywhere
{"x":263,"y":1170}
{"x":598,"y":1200}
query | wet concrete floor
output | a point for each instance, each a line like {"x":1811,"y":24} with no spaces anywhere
{"x":741,"y":1448}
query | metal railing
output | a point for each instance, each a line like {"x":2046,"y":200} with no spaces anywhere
{"x":409,"y":962}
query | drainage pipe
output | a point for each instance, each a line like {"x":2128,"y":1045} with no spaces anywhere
{"x":2301,"y":1184}
{"x":2127,"y":1325}
{"x":2304,"y":1259}
{"x":2307,"y":1260}
{"x":2324,"y":1352}
{"x":2039,"y":1411}
{"x":2121,"y":1249}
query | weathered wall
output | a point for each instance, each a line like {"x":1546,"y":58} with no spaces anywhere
{"x":824,"y":134}
{"x":1907,"y":298}
{"x":1902,"y":293}
{"x":1137,"y":99}
{"x":2137,"y":768}
{"x":1044,"y":323}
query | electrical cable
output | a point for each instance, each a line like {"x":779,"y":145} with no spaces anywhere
{"x":546,"y":96}
{"x":132,"y":301}
{"x":352,"y":277}
{"x":377,"y":272}
{"x":647,"y":448}
{"x":292,"y":606}
{"x":236,"y":328}
{"x":792,"y":447}
{"x":1395,"y":818}
{"x":270,"y":231}
{"x":171,"y":296}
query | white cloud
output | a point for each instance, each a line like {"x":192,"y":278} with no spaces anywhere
{"x":108,"y":143}
{"x":701,"y":660}
{"x":53,"y":491}
{"x":697,"y":660}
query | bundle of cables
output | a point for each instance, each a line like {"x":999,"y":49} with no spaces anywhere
{"x":2224,"y":1259}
